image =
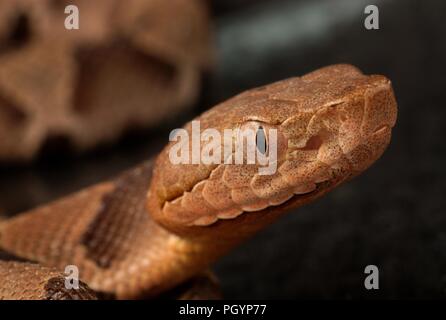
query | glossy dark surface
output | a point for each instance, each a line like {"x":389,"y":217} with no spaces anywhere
{"x":393,"y":216}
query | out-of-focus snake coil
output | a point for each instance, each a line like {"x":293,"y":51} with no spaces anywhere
{"x":131,"y":64}
{"x":160,"y":224}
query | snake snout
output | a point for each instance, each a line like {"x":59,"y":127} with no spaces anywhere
{"x":379,"y":117}
{"x":380,"y":109}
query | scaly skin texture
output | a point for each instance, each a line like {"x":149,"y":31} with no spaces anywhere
{"x":26,"y":281}
{"x":160,"y":224}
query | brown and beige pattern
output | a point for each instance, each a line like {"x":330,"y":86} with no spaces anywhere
{"x":131,"y":64}
{"x":160,"y":224}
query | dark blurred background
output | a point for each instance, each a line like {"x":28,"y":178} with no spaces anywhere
{"x":393,"y":216}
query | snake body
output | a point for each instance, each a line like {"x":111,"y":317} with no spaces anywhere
{"x":160,"y":224}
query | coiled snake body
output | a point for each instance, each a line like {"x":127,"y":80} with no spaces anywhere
{"x":160,"y":224}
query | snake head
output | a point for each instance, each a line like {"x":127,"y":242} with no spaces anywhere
{"x":317,"y":130}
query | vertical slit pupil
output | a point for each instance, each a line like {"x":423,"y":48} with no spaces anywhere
{"x":261,"y":140}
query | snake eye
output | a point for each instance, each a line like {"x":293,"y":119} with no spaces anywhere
{"x":261,"y":142}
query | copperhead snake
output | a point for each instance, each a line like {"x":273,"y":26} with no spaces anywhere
{"x":158,"y":225}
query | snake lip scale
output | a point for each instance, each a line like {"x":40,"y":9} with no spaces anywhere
{"x":159,"y":225}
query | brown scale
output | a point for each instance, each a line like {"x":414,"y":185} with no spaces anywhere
{"x":108,"y":235}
